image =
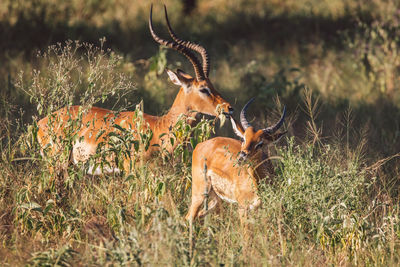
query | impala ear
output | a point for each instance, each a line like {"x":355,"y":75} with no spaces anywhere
{"x":173,"y":77}
{"x":184,"y":74}
{"x":180,"y":78}
{"x":237,"y":128}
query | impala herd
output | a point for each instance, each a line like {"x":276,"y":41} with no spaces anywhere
{"x":222,"y":168}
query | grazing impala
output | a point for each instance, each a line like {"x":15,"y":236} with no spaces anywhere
{"x":195,"y":95}
{"x":227,"y":169}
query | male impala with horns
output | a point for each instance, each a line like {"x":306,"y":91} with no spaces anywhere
{"x":229,"y":169}
{"x":195,"y":94}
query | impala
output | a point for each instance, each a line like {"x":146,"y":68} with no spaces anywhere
{"x":229,"y":169}
{"x":196,"y":95}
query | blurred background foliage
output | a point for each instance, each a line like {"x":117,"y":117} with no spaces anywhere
{"x":347,"y":52}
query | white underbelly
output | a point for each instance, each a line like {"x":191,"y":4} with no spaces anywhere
{"x":222,"y":187}
{"x":82,"y":151}
{"x":104,"y":170}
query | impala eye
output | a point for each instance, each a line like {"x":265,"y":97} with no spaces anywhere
{"x":205,"y":91}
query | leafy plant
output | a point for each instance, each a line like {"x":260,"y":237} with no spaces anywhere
{"x":53,"y":257}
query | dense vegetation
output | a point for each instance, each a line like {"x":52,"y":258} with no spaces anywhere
{"x":334,"y":64}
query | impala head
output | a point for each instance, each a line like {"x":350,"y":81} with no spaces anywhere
{"x":253,"y":140}
{"x":199,"y":93}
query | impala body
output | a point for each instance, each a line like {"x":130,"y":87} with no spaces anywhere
{"x":229,"y":169}
{"x":195,"y":95}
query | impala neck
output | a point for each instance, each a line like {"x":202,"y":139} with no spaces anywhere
{"x":263,"y":166}
{"x":180,"y":106}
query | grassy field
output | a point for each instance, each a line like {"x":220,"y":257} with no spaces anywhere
{"x":334,"y":64}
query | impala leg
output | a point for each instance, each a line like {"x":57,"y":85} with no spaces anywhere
{"x":243,"y":211}
{"x":197,"y":201}
{"x":247,"y":202}
{"x":213,"y":201}
{"x":199,"y":187}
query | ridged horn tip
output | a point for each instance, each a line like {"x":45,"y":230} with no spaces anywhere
{"x":243,"y":118}
{"x":274,"y":128}
{"x":190,"y":45}
{"x":178,"y":47}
